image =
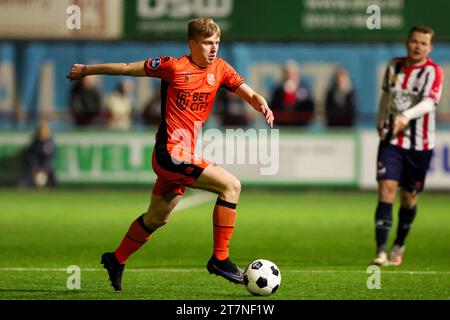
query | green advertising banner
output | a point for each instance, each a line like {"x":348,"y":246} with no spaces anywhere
{"x":126,"y":158}
{"x":86,"y":157}
{"x":308,"y":20}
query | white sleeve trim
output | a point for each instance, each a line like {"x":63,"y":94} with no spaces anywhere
{"x":423,"y":107}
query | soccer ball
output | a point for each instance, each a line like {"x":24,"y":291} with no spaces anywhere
{"x":262,"y":277}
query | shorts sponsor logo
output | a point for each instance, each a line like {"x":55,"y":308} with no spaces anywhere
{"x":381,"y":169}
{"x":189,"y":170}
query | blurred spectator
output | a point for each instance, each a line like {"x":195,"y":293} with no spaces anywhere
{"x":292,"y":102}
{"x":231,"y":109}
{"x":39,"y":158}
{"x":85,"y":102}
{"x":341,"y":103}
{"x":151,"y":114}
{"x":443,"y":116}
{"x":119,"y":106}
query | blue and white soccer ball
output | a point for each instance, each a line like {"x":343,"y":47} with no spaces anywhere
{"x":262,"y":277}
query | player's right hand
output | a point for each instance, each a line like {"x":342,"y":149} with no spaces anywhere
{"x":400,"y":124}
{"x":77,"y":72}
{"x":268,"y":114}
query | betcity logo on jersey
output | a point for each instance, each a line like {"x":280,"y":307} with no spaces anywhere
{"x":196,"y":102}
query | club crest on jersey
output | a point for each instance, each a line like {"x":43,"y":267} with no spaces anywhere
{"x":211,"y":79}
{"x":155,"y":63}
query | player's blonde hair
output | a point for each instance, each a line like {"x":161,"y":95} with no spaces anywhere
{"x":202,"y":27}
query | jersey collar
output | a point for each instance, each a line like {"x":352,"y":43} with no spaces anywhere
{"x":427,"y":61}
{"x":196,"y":65}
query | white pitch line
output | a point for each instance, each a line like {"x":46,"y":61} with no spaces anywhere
{"x":381,"y":270}
{"x":31,"y":269}
{"x":199,"y":197}
{"x":97,"y":270}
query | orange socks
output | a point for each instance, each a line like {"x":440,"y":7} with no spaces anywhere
{"x":224,"y":217}
{"x":136,"y":237}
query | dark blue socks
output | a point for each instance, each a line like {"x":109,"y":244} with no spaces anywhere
{"x":383,"y":223}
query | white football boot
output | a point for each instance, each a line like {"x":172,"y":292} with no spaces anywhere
{"x":396,"y":255}
{"x":381,"y":259}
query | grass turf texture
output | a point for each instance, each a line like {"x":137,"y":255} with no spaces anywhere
{"x":321,"y":241}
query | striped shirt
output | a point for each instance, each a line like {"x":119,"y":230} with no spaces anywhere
{"x":406,"y":88}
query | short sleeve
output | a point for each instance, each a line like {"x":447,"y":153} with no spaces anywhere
{"x":231,"y":79}
{"x":161,"y":67}
{"x":385,"y":84}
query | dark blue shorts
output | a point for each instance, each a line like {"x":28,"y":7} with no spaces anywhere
{"x":408,"y":167}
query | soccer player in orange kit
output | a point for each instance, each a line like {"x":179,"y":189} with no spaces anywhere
{"x":188,"y":87}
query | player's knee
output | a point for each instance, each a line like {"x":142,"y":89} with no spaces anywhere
{"x":236,"y":186}
{"x":233,"y":189}
{"x":408,"y":200}
{"x":387,"y":193}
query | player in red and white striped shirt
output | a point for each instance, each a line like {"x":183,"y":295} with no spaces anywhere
{"x":406,"y":123}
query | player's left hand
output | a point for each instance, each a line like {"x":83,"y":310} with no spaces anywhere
{"x":268,"y":114}
{"x":400,"y":124}
{"x":77,"y":72}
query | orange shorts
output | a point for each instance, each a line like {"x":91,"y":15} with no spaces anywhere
{"x":173,"y":175}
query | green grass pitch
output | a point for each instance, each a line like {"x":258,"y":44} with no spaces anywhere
{"x":321,"y":241}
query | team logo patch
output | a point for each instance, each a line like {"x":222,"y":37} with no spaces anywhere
{"x":189,"y":170}
{"x":381,"y":169}
{"x":211,"y":79}
{"x":155,"y":63}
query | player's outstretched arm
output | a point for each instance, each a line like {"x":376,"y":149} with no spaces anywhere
{"x":134,"y":69}
{"x":256,"y":101}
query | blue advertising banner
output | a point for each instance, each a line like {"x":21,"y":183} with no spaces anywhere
{"x":37,"y":70}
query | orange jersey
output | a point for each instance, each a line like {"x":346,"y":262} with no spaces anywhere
{"x":187,"y":96}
